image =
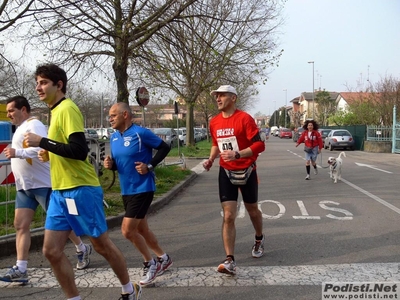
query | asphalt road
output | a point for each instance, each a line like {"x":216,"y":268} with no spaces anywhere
{"x":316,"y":231}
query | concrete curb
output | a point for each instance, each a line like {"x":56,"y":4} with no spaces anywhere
{"x":7,"y":246}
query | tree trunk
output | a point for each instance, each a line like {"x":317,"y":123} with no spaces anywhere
{"x":190,"y":124}
{"x":120,"y":67}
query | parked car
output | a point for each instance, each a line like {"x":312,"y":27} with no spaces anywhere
{"x":104,"y":133}
{"x":285,"y":133}
{"x":276,"y":132}
{"x":203,"y":132}
{"x":198,"y":135}
{"x":169,"y":135}
{"x":91,"y":133}
{"x":297,"y":133}
{"x":324,"y":132}
{"x":182,"y":135}
{"x":339,"y":138}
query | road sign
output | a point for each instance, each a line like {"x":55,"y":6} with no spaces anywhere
{"x":142,"y":96}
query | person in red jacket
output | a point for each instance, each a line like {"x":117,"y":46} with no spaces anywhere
{"x":312,"y":139}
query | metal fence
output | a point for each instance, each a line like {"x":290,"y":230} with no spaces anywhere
{"x":379,"y":133}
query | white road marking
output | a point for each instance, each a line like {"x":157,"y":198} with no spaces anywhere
{"x":376,"y":198}
{"x":304,"y":213}
{"x":246,"y":276}
{"x":372,"y":167}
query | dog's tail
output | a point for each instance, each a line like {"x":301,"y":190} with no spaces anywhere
{"x":342,"y":153}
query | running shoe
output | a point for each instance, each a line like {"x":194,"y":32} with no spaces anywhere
{"x":165,"y":264}
{"x":258,"y":248}
{"x":315,"y":171}
{"x":83,"y":257}
{"x":308,"y":177}
{"x":150,"y":271}
{"x":228,"y":266}
{"x":15,"y":275}
{"x":135,"y":295}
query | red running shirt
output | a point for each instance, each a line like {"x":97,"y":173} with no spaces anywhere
{"x":236,"y":133}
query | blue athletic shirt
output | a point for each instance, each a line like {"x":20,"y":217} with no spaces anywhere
{"x":136,"y":144}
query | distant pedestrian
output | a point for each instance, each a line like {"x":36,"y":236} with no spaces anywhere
{"x":132,"y":156}
{"x":236,"y":138}
{"x":32,"y":181}
{"x":312,"y":145}
{"x":76,"y":202}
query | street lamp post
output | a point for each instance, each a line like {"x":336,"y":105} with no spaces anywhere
{"x":313,"y":104}
{"x":285,"y":105}
{"x":274,"y":114}
{"x":101,"y":113}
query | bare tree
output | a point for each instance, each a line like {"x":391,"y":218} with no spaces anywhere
{"x":95,"y":35}
{"x":12,"y":11}
{"x":227,"y":42}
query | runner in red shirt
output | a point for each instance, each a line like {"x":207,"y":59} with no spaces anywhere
{"x":236,"y":138}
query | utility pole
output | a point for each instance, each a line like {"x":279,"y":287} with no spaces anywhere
{"x":101,"y":113}
{"x":285,"y":90}
{"x":313,"y":104}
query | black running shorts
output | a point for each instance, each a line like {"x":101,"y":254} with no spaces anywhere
{"x":230,"y":192}
{"x":136,"y":206}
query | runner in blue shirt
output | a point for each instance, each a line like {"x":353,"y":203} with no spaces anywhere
{"x":132,"y":156}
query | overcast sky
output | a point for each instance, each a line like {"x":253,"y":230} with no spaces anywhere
{"x":350,"y":41}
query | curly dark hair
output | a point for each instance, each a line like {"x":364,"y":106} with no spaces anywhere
{"x":316,"y":126}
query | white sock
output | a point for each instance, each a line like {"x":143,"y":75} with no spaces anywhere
{"x":22,"y":265}
{"x":75,"y":298}
{"x":127,"y":288}
{"x":81,"y":247}
{"x":164,"y":256}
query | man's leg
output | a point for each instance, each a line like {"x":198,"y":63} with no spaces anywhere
{"x":22,"y":222}
{"x":83,"y":251}
{"x":138,"y":232}
{"x":250,"y":199}
{"x":106,"y":248}
{"x":229,"y":208}
{"x":53,"y":250}
{"x":228,"y":226}
{"x":255,"y":217}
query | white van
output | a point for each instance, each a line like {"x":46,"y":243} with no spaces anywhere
{"x":104,"y":133}
{"x":273,"y":129}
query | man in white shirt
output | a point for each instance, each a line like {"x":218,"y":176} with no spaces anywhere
{"x":32,"y":181}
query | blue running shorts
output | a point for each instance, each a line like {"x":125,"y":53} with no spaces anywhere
{"x":32,"y":198}
{"x":87,"y":219}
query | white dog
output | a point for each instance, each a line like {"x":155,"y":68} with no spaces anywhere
{"x":335,"y":167}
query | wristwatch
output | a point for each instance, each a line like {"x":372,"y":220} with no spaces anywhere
{"x":150,"y":167}
{"x":237,"y":155}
